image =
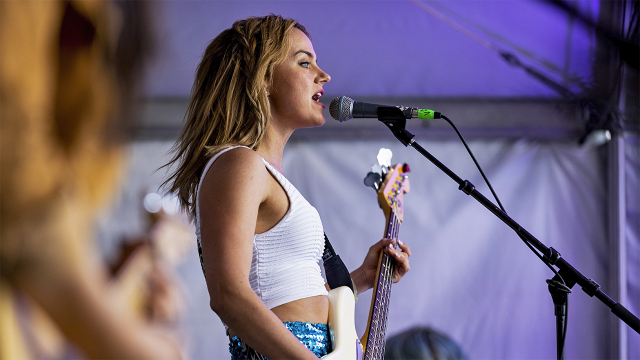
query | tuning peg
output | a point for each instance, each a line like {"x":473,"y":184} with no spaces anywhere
{"x":372,"y":180}
{"x":384,"y":157}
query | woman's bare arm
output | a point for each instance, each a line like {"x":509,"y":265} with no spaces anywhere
{"x":231,"y":195}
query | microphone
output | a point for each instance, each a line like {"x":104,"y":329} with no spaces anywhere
{"x":344,"y":108}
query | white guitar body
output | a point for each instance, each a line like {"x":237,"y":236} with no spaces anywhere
{"x":344,"y":339}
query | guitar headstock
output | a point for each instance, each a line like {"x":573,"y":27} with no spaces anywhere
{"x":391,"y":183}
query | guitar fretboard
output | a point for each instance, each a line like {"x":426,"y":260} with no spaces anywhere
{"x":382,"y":292}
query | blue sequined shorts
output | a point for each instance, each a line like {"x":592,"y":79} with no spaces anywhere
{"x":314,"y":336}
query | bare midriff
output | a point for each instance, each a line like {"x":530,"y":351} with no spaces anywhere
{"x":313,"y":309}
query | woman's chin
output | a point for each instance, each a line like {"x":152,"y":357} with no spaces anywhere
{"x":314,"y":123}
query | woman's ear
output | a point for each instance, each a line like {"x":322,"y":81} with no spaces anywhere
{"x":267,"y":88}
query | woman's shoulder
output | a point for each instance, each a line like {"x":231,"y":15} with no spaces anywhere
{"x":236,"y":165}
{"x":238,"y":176}
{"x":238,"y":159}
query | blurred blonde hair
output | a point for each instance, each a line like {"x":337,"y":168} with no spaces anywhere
{"x":67,"y":87}
{"x":228,"y":105}
{"x":64,"y":78}
{"x":68,"y":72}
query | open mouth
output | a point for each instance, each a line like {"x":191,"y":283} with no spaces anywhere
{"x":317,"y":96}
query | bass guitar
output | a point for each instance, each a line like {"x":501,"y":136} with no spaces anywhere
{"x":391,"y":184}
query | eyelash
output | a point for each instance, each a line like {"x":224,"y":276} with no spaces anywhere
{"x":305,"y":64}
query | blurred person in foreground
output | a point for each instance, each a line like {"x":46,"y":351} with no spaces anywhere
{"x":69,"y":71}
{"x":422,"y":343}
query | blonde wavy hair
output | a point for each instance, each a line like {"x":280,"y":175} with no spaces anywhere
{"x":228,"y":104}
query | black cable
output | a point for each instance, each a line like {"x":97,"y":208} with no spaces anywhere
{"x":545,"y":261}
{"x":475,"y":162}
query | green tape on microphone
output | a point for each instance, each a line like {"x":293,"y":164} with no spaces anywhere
{"x":426,"y":114}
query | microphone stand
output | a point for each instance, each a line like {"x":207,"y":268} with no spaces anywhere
{"x":567,"y":277}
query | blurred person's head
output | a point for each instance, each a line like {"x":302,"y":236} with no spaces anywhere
{"x":68,"y":79}
{"x":229,"y":104}
{"x":422,"y":343}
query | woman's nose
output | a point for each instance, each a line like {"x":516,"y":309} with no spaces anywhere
{"x":323,"y":77}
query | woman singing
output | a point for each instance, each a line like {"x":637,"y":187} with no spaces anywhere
{"x":260,"y":241}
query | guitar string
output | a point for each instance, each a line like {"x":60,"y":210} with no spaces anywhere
{"x":373,"y":345}
{"x":375,"y":348}
{"x":389,"y":280}
{"x":389,"y":267}
{"x":384,"y":287}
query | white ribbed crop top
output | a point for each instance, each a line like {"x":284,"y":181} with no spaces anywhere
{"x":285,"y":265}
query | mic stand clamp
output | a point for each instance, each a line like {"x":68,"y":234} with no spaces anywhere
{"x":396,"y":121}
{"x":567,"y":277}
{"x":559,"y":295}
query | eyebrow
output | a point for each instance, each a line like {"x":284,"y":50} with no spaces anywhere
{"x":305,"y":52}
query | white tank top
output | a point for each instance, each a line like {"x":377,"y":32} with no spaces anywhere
{"x":286,"y":259}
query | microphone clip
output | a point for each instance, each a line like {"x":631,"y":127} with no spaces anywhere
{"x":396,"y":121}
{"x":391,"y":113}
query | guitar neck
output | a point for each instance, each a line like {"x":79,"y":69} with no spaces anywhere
{"x":374,"y":338}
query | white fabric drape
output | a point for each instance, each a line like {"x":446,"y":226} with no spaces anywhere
{"x":471,"y":276}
